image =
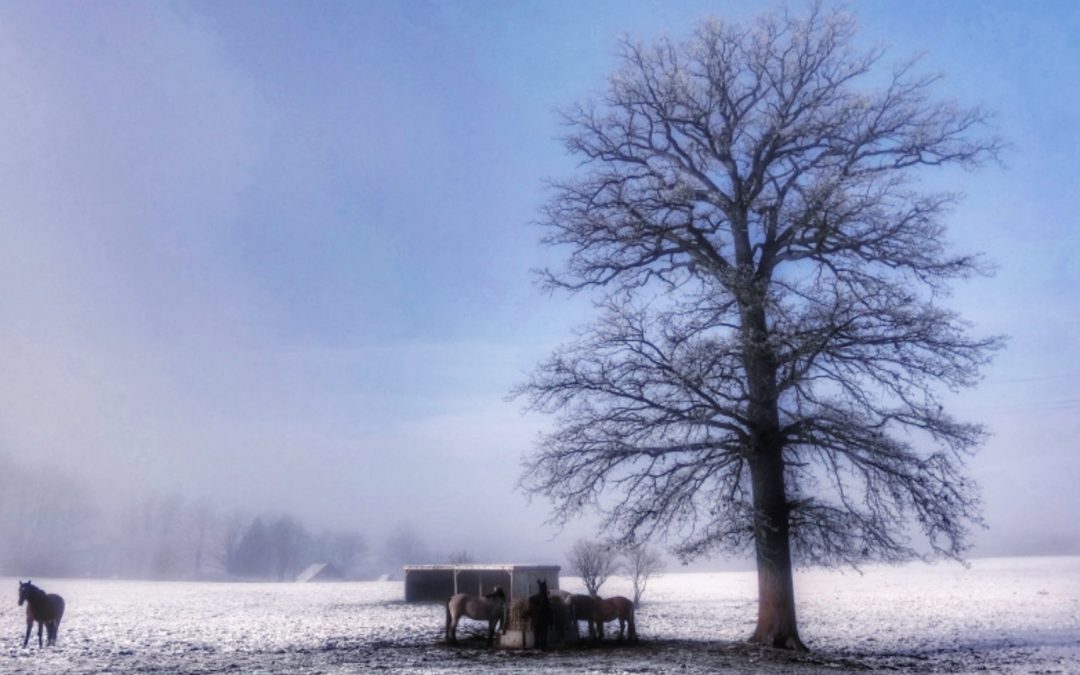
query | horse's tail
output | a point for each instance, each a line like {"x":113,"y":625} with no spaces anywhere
{"x":448,"y":619}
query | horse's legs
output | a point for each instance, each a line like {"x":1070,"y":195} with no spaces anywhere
{"x":29,"y":628}
{"x":40,"y":625}
{"x":622,"y":627}
{"x":539,"y":634}
{"x":491,"y":631}
{"x":451,"y":632}
{"x":50,"y":633}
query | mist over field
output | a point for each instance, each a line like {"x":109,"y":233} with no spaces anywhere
{"x":313,"y":293}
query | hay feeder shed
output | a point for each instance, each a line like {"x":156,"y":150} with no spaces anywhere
{"x":439,"y":582}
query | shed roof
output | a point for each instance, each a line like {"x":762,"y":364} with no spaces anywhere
{"x":507,"y":567}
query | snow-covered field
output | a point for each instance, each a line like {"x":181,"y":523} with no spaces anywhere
{"x":1019,"y":615}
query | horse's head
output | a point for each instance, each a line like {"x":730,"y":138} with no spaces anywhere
{"x":24,"y":591}
{"x":542,"y":585}
{"x":497,"y":594}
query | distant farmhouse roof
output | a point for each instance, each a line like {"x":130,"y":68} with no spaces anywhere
{"x":319,"y":572}
{"x":439,"y":582}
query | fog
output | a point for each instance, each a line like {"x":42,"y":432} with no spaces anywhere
{"x":272,"y":262}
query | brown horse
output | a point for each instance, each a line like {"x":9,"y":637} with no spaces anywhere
{"x":615,"y":607}
{"x":598,"y":611}
{"x":45,"y":608}
{"x":490,"y":608}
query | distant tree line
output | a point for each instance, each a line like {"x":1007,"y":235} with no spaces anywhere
{"x":53,"y":524}
{"x":279,"y":547}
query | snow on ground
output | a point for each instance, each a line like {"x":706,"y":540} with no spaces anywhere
{"x":1019,"y":615}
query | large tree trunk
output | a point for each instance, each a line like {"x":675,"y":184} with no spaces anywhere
{"x":775,"y":586}
{"x":776,"y":626}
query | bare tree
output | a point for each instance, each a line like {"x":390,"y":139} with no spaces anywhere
{"x":230,"y":539}
{"x":767,"y":369}
{"x":151,"y":537}
{"x":252,"y":556}
{"x":288,"y":541}
{"x":345,"y":550}
{"x":594,"y":562}
{"x":642,"y":562}
{"x":48,"y":522}
{"x":201,"y":525}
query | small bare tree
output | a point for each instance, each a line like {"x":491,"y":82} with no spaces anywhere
{"x":642,"y":562}
{"x":594,"y":562}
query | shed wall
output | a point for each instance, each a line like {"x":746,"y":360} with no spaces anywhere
{"x":440,"y":584}
{"x":437,"y":582}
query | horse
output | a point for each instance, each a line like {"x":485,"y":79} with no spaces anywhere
{"x":561,"y":617}
{"x":490,"y":608}
{"x":615,"y":607}
{"x":582,"y":608}
{"x":597,"y":611}
{"x":540,"y":611}
{"x":45,"y":608}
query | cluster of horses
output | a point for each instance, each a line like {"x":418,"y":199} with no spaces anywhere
{"x":45,"y":608}
{"x":543,"y":610}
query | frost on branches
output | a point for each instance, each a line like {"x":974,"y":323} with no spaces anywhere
{"x":766,"y":368}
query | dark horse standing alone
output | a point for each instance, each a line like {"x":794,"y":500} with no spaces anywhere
{"x":540,"y":608}
{"x":45,"y":608}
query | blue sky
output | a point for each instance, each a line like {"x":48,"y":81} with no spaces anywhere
{"x":278,"y":254}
